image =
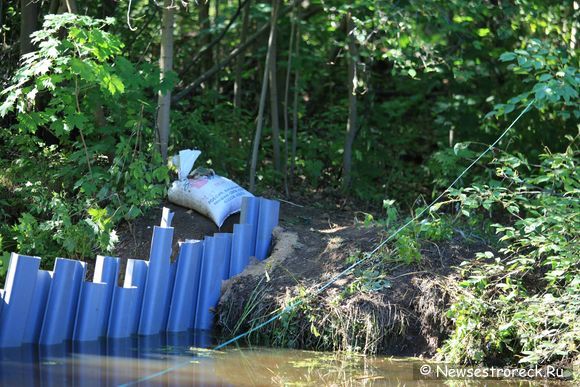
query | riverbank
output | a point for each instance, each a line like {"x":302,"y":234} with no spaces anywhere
{"x":440,"y":285}
{"x":385,"y":307}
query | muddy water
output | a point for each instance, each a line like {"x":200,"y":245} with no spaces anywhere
{"x":181,"y":360}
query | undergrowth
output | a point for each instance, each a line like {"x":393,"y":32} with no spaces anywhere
{"x":522,"y":305}
{"x":78,"y":155}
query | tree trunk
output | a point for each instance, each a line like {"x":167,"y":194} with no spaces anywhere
{"x":70,"y":6}
{"x":574,"y":28}
{"x":273,"y":69}
{"x":260,"y":120}
{"x":28,"y":24}
{"x":165,"y":65}
{"x":295,"y":108}
{"x":206,"y":35}
{"x":216,"y":48}
{"x":53,"y":6}
{"x":286,"y":100}
{"x":240,"y":61}
{"x":351,"y":125}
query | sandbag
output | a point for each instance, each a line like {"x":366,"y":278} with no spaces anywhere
{"x":214,"y":196}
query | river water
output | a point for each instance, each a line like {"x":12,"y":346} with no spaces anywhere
{"x":183,"y":359}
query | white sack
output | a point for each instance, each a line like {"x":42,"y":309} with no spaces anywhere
{"x":215,"y":196}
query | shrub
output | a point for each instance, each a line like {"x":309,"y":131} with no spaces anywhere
{"x":523,"y":305}
{"x":78,"y":154}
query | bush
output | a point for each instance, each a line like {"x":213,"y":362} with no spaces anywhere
{"x":523,"y":305}
{"x":78,"y":155}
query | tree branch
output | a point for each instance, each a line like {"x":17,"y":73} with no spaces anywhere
{"x":209,"y":46}
{"x":233,"y":54}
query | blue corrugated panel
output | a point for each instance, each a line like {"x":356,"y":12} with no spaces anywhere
{"x":168,"y":294}
{"x":267,"y":220}
{"x":210,"y":280}
{"x":1,"y":301}
{"x":249,"y":215}
{"x":184,"y":299}
{"x":225,"y":240}
{"x":241,"y":248}
{"x":157,"y":284}
{"x":128,"y":300}
{"x":95,"y":300}
{"x":62,"y":301}
{"x":37,"y":307}
{"x":18,"y":295}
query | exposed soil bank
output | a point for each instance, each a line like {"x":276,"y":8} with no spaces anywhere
{"x":404,"y":314}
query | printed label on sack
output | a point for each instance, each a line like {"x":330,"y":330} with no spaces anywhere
{"x":198,"y":183}
{"x":227,"y":194}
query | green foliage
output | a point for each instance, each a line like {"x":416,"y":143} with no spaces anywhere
{"x":222,"y":132}
{"x":523,"y":305}
{"x":554,"y":75}
{"x":79,"y":155}
{"x":407,"y":249}
{"x":368,"y":280}
{"x":427,"y":73}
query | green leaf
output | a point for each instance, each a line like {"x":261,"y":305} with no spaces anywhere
{"x":545,"y":77}
{"x":483,"y":32}
{"x":507,"y":57}
{"x":82,"y":68}
{"x":113,"y":84}
{"x":133,"y":212}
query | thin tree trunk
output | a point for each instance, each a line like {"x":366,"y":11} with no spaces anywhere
{"x":275,"y":119}
{"x":28,"y":24}
{"x":295,"y":108}
{"x":71,"y":6}
{"x":216,"y":49}
{"x":351,"y":125}
{"x":240,"y":61}
{"x":53,"y":6}
{"x":216,"y":10}
{"x":574,"y":28}
{"x":166,"y":65}
{"x":260,"y":121}
{"x":286,"y":100}
{"x":206,"y":38}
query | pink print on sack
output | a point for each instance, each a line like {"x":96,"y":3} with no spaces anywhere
{"x":199,"y":182}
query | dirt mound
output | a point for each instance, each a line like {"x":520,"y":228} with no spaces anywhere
{"x":398,"y":309}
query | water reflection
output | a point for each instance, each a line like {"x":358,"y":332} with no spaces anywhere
{"x":107,"y":362}
{"x":115,"y":362}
